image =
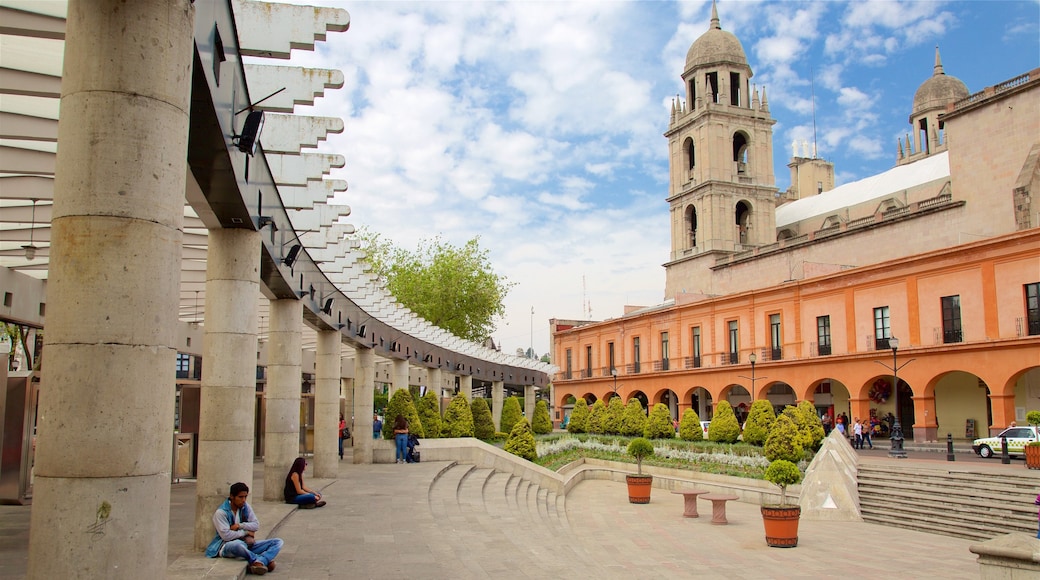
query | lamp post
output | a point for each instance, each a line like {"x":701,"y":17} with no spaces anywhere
{"x":613,"y":373}
{"x":896,"y":437}
{"x":752,"y":358}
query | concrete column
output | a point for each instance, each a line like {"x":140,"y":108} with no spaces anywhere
{"x":400,"y":376}
{"x":326,"y":405}
{"x":529,"y":402}
{"x":364,"y":388}
{"x":227,"y":414}
{"x":435,"y":380}
{"x":282,"y":394}
{"x":497,"y":396}
{"x":105,"y":423}
{"x":347,"y":396}
{"x":466,"y":386}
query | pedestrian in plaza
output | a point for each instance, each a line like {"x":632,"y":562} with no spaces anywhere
{"x":826,"y":420}
{"x":866,"y":435}
{"x":857,"y":434}
{"x":401,"y":438}
{"x":236,"y":526}
{"x":840,"y":426}
{"x":296,"y":492}
{"x":343,"y":434}
{"x":377,"y":426}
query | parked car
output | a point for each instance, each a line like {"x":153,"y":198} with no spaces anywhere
{"x":704,"y":427}
{"x":1017,"y":437}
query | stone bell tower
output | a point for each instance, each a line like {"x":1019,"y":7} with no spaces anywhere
{"x":720,"y":143}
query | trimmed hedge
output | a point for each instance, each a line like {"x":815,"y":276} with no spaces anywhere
{"x":511,"y":414}
{"x":430,"y":414}
{"x":401,"y":404}
{"x":760,"y":419}
{"x":521,"y":441}
{"x":541,"y":423}
{"x":597,"y":418}
{"x":690,"y":426}
{"x":659,"y":424}
{"x":483,"y":422}
{"x":579,"y":420}
{"x":724,"y":427}
{"x":458,"y":418}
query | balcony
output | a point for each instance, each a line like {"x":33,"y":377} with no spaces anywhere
{"x":950,"y":336}
{"x":823,"y":350}
{"x":586,"y":373}
{"x":633,"y":369}
{"x":661,"y":365}
{"x":692,"y":362}
{"x":881,"y":344}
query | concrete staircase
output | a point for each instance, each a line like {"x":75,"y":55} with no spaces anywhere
{"x":964,"y":502}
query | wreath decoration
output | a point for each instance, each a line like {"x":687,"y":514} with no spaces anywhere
{"x":880,"y":391}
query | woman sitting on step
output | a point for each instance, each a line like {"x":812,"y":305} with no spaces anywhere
{"x":296,"y":492}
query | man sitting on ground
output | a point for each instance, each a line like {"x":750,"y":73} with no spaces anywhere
{"x":236,"y":526}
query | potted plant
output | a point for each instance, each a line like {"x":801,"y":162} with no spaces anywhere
{"x":1033,"y":449}
{"x":783,"y":449}
{"x":639,"y":485}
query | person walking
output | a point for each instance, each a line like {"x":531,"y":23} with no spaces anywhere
{"x":401,"y":438}
{"x":1037,"y":502}
{"x":343,"y":434}
{"x":866,"y":435}
{"x":857,"y":433}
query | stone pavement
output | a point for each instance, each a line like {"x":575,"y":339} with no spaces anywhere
{"x":383,"y":521}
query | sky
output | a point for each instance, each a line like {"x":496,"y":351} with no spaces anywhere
{"x":537,"y":126}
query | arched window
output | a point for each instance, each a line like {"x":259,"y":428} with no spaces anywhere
{"x":740,"y":151}
{"x":691,"y":225}
{"x":690,"y":152}
{"x":743,"y":218}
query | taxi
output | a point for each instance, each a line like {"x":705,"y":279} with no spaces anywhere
{"x":1017,"y":437}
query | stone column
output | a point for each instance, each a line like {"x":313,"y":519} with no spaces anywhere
{"x":326,"y":405}
{"x":529,"y":402}
{"x":466,"y":386}
{"x":400,"y":376}
{"x":435,"y":380}
{"x":364,"y":387}
{"x":497,"y":395}
{"x":227,"y":414}
{"x":282,"y":394}
{"x":105,"y":423}
{"x":1003,"y":405}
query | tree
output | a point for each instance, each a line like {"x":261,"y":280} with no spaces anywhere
{"x":521,"y":441}
{"x":541,"y":423}
{"x":659,"y":424}
{"x":458,"y":418}
{"x":597,"y":418}
{"x":452,"y":287}
{"x":511,"y":414}
{"x":615,"y":416}
{"x":760,"y":419}
{"x":690,"y":426}
{"x":724,"y":427}
{"x":633,"y":422}
{"x":784,"y":440}
{"x":401,"y":404}
{"x":430,"y":414}
{"x":579,"y":420}
{"x":483,"y":423}
{"x":813,"y":423}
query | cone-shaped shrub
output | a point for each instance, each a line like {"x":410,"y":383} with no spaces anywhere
{"x":814,"y":425}
{"x":510,"y":414}
{"x":430,"y":414}
{"x":541,"y":423}
{"x":724,"y":427}
{"x":802,"y":424}
{"x":521,"y":441}
{"x":458,"y":418}
{"x":579,"y":420}
{"x":483,"y":422}
{"x":615,"y":416}
{"x":597,"y":418}
{"x":633,"y":421}
{"x":690,"y":426}
{"x":659,"y":424}
{"x":783,"y":441}
{"x":401,"y":404}
{"x":760,"y":419}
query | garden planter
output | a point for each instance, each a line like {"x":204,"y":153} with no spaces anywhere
{"x":639,"y":488}
{"x":1032,"y":456}
{"x":781,"y":523}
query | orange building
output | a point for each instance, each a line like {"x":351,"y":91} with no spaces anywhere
{"x":940,"y":256}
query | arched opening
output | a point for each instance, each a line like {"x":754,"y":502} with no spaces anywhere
{"x":641,"y":396}
{"x":740,"y":151}
{"x":689,"y":149}
{"x":700,"y":401}
{"x":780,"y":395}
{"x":691,"y":225}
{"x":743,"y":220}
{"x":831,"y":398}
{"x":962,"y":407}
{"x":740,"y":399}
{"x":669,"y":398}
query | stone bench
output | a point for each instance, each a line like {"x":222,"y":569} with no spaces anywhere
{"x":718,"y":506}
{"x":690,"y":499}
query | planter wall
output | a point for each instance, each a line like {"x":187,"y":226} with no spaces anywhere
{"x":781,"y":524}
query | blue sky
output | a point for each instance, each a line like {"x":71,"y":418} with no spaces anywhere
{"x":538,"y":125}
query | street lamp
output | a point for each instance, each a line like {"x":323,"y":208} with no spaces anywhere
{"x":613,"y":373}
{"x":752,"y":359}
{"x":896,"y":450}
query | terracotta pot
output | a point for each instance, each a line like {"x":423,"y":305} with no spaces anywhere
{"x":781,"y":523}
{"x":1032,"y":456}
{"x":639,"y":488}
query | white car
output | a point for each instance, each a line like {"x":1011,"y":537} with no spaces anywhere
{"x":1017,"y":437}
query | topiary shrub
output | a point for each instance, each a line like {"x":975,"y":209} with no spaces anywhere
{"x":659,"y":424}
{"x":784,"y":440}
{"x":813,"y":424}
{"x":483,"y":422}
{"x":633,"y":422}
{"x":579,"y":420}
{"x":521,"y":441}
{"x":511,"y":413}
{"x":458,"y":418}
{"x":724,"y":427}
{"x":597,"y":418}
{"x":783,"y":473}
{"x":430,"y":414}
{"x":760,"y":419}
{"x":401,"y":404}
{"x":690,"y":426}
{"x":541,"y":423}
{"x":615,"y":417}
{"x":803,"y":423}
{"x":640,"y":448}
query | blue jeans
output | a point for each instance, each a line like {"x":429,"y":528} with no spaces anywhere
{"x":341,"y":448}
{"x":305,"y":498}
{"x":262,"y":551}
{"x":402,"y":446}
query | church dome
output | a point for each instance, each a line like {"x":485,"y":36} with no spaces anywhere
{"x":939,"y":90}
{"x":715,"y":45}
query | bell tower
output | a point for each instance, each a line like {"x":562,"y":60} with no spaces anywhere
{"x":720,"y":143}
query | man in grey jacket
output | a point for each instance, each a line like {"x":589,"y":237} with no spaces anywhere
{"x":236,"y":526}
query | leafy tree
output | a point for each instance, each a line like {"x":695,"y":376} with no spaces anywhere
{"x":690,"y":426}
{"x":813,"y":423}
{"x":640,"y":448}
{"x":659,"y":424}
{"x":760,"y":419}
{"x":541,"y":423}
{"x":458,"y":418}
{"x":615,"y":416}
{"x":783,"y":473}
{"x":401,"y":404}
{"x":483,"y":423}
{"x":452,"y":287}
{"x":633,"y":421}
{"x":724,"y":427}
{"x":803,"y":424}
{"x":430,"y":414}
{"x":783,"y":441}
{"x":597,"y":418}
{"x":521,"y":441}
{"x":511,"y":414}
{"x":579,"y":420}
